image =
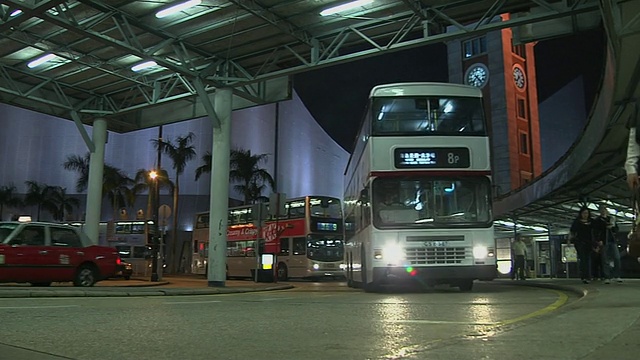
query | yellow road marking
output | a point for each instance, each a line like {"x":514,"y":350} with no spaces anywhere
{"x":562,"y":299}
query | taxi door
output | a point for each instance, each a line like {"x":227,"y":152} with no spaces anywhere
{"x":7,"y":267}
{"x":67,"y":252}
{"x":25,"y":256}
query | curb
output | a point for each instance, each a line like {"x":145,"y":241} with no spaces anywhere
{"x":124,"y":292}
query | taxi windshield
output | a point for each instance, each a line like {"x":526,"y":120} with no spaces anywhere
{"x":6,"y":230}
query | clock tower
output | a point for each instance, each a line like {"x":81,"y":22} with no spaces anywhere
{"x":506,"y":74}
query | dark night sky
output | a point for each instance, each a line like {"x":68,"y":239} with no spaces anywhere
{"x":336,"y":96}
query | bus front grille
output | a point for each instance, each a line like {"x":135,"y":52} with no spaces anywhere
{"x":435,"y":255}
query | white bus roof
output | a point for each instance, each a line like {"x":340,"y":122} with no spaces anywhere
{"x":425,"y":89}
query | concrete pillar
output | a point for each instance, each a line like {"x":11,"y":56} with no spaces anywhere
{"x":219,"y":198}
{"x":96,"y":169}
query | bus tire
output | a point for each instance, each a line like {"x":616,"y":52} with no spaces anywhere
{"x":465,"y":285}
{"x":350,"y":271}
{"x":283,"y":272}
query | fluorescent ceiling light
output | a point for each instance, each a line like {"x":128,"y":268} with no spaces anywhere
{"x":177,"y":8}
{"x":345,"y":7}
{"x":144,"y":65}
{"x":15,"y":13}
{"x":40,"y":60}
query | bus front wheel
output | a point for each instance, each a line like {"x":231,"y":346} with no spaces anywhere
{"x":350,"y":271}
{"x":465,"y":285}
{"x":283,"y":273}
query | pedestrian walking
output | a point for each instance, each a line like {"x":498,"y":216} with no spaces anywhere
{"x":604,"y":230}
{"x":582,"y":238}
{"x":520,"y":252}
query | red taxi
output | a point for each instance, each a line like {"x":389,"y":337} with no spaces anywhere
{"x":41,"y":253}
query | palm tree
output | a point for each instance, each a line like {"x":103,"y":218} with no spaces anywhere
{"x":60,"y":203}
{"x":245,"y":168}
{"x":80,"y":165}
{"x":39,"y":195}
{"x":180,"y":152}
{"x":206,"y":167}
{"x":143,"y":182}
{"x":8,"y":197}
{"x":117,"y":187}
{"x":115,"y":183}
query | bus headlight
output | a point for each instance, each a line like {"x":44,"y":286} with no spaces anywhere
{"x":316,"y":266}
{"x":393,"y":253}
{"x":480,"y":252}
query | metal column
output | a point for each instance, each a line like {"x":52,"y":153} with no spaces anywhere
{"x":219,"y":197}
{"x":96,"y":169}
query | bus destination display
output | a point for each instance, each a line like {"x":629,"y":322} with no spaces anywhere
{"x":440,"y":157}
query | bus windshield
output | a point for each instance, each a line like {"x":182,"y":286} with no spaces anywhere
{"x":431,"y":202}
{"x":325,"y":207}
{"x":427,"y":115}
{"x":325,"y":248}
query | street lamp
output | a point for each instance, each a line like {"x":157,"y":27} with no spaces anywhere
{"x":153,"y":175}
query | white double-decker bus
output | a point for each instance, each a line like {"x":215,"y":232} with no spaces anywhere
{"x":418,"y":189}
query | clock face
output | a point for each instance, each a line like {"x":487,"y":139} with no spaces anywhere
{"x":477,"y":75}
{"x":518,"y":77}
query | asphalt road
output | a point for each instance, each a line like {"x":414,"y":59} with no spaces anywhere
{"x":314,"y":321}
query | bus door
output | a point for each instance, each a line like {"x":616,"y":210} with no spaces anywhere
{"x":285,"y":251}
{"x":298,"y":262}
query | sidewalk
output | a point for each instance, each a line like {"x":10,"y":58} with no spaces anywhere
{"x":604,"y":323}
{"x":170,"y":285}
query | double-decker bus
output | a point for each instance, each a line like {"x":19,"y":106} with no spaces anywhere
{"x":131,"y":238}
{"x":307,"y":240}
{"x":418,"y":189}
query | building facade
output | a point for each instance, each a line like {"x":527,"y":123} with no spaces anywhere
{"x":506,"y":74}
{"x":33,"y":147}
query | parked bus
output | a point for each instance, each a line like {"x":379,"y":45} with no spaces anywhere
{"x":131,"y":238}
{"x":418,"y":189}
{"x":307,"y":240}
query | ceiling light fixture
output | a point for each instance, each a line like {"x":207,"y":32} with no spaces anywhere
{"x":177,"y":8}
{"x":144,"y":65}
{"x":40,"y":60}
{"x":15,"y":13}
{"x":345,"y":7}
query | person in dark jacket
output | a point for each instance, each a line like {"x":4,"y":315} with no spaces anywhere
{"x":604,"y":233}
{"x":582,"y":238}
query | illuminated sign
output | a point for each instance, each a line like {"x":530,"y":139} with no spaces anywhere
{"x":407,"y":158}
{"x":323,"y":226}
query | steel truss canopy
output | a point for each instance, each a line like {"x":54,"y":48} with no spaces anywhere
{"x":252,"y":47}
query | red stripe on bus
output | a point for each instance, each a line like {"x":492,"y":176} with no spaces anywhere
{"x":430,"y":173}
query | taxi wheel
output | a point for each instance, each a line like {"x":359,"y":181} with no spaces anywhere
{"x":85,"y":276}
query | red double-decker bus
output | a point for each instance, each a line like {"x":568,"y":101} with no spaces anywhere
{"x":307,"y":240}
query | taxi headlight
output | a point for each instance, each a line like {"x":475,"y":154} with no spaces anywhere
{"x":480,"y":252}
